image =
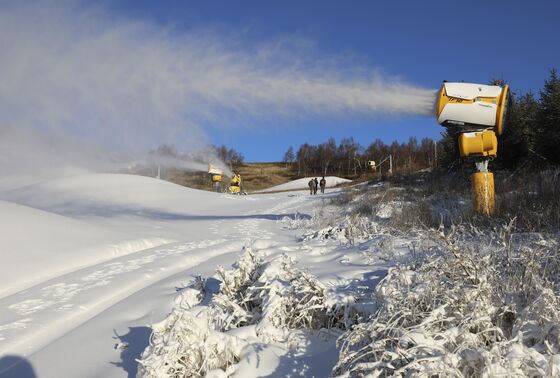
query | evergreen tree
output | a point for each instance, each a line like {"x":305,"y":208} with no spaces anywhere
{"x":549,"y":119}
{"x":518,"y":141}
{"x":448,"y":151}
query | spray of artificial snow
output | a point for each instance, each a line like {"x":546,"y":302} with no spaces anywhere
{"x":130,"y":85}
{"x":31,"y":156}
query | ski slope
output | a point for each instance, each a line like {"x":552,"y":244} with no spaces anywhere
{"x":89,"y":262}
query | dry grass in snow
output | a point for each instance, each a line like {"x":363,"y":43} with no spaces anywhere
{"x":471,"y":311}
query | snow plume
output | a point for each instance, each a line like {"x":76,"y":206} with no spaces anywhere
{"x":29,"y":156}
{"x":129,"y":84}
{"x":195,"y":162}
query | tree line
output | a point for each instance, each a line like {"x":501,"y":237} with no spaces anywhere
{"x":349,"y":158}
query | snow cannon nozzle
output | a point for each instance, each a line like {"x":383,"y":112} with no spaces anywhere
{"x":469,"y":107}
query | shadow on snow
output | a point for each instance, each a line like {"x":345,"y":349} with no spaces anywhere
{"x":132,"y":345}
{"x":16,"y":367}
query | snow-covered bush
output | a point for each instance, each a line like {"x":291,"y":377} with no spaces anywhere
{"x":350,"y":230}
{"x":472,"y":311}
{"x":297,"y":222}
{"x":233,"y":307}
{"x":275,"y":298}
{"x":183,"y":345}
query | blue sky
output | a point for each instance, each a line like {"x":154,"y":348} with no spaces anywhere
{"x":419,"y":42}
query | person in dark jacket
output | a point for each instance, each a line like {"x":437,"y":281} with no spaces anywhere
{"x":315,"y":185}
{"x":323,"y":184}
{"x":311,"y":185}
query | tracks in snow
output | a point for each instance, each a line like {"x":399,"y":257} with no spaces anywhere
{"x":42,"y":313}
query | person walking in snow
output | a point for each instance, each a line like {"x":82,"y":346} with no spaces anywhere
{"x":323,"y":184}
{"x":315,"y":185}
{"x":311,"y":184}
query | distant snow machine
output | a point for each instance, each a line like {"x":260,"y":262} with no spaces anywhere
{"x":216,"y":177}
{"x":235,"y":185}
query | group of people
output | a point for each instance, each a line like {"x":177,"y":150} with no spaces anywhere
{"x":314,"y":184}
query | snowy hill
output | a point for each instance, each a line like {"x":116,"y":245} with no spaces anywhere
{"x":86,"y":193}
{"x":63,"y":224}
{"x":40,"y":244}
{"x":91,"y":256}
{"x":130,"y":276}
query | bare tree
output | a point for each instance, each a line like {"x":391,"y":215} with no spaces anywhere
{"x":289,"y":156}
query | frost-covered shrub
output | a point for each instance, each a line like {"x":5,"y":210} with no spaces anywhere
{"x":470,"y":312}
{"x":184,"y":346}
{"x":232,"y":307}
{"x":297,"y":222}
{"x":191,"y":344}
{"x":532,"y":198}
{"x":413,"y":215}
{"x":278,"y":296}
{"x":351,"y":230}
{"x":275,"y":298}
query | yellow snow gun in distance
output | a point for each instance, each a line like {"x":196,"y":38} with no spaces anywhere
{"x":216,"y":175}
{"x":235,"y":184}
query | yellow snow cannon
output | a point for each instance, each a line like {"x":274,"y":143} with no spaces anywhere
{"x":235,"y":184}
{"x":216,"y":177}
{"x":476,"y":113}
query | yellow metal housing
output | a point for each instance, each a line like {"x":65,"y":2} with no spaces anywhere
{"x":483,"y":192}
{"x":500,"y":114}
{"x":482,"y":143}
{"x":216,"y":178}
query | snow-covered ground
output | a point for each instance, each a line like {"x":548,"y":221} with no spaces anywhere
{"x":303,"y":184}
{"x":108,"y":275}
{"x":88,"y":263}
